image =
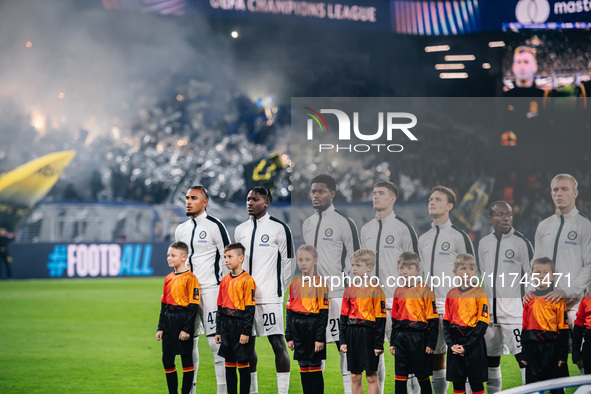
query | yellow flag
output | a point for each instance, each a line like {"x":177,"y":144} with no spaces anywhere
{"x":29,"y":183}
{"x":474,"y":202}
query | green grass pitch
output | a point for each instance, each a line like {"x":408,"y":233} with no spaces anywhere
{"x":98,"y":336}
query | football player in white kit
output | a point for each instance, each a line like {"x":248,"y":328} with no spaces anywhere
{"x":504,"y":257}
{"x":565,"y":237}
{"x":438,"y":249}
{"x":388,"y":236}
{"x":335,"y":238}
{"x":268,"y":259}
{"x":206,"y":237}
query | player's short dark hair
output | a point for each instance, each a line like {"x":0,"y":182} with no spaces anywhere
{"x":491,"y":208}
{"x":263,"y":191}
{"x":203,"y":190}
{"x":329,"y":181}
{"x":180,"y":245}
{"x":409,"y":258}
{"x":388,"y":185}
{"x":451,"y":196}
{"x":544,"y":260}
{"x":235,"y":246}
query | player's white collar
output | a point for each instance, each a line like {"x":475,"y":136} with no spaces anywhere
{"x":388,"y":218}
{"x":201,"y":217}
{"x":330,"y":209}
{"x":506,"y":235}
{"x":445,"y":225}
{"x":574,"y":212}
{"x":263,"y":218}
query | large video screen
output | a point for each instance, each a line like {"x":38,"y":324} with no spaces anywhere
{"x":556,"y":61}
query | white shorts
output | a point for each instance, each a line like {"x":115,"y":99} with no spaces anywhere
{"x":334,"y":315}
{"x":441,"y":347}
{"x":206,"y":318}
{"x":503,"y":339}
{"x":268,"y":320}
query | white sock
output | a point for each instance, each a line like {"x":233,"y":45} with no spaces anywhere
{"x":412,"y":385}
{"x":381,"y":373}
{"x":495,"y":380}
{"x":218,"y":365}
{"x":345,"y":372}
{"x":522,"y":375}
{"x":254,"y":383}
{"x":282,"y":382}
{"x":440,"y":385}
{"x":195,"y":357}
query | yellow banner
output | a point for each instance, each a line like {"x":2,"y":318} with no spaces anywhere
{"x":29,"y":183}
{"x":474,"y":202}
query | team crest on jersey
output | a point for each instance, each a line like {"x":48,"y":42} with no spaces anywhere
{"x":484,"y":311}
{"x":328,"y":232}
{"x":445,"y":246}
{"x":565,"y":317}
{"x":390,"y":239}
{"x":252,"y":295}
{"x":196,"y":294}
{"x":509,"y":253}
{"x":202,"y":234}
{"x":434,"y":307}
{"x":572,"y":235}
{"x":326,"y":299}
{"x":265,"y":238}
{"x":383,"y":306}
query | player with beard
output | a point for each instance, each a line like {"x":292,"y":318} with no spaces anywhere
{"x":206,"y":237}
{"x":335,"y":238}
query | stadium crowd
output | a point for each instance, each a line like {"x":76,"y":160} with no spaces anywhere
{"x":205,"y":132}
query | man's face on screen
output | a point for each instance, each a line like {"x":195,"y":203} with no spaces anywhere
{"x":524,"y":67}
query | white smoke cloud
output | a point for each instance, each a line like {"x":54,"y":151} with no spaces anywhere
{"x":103,"y":64}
